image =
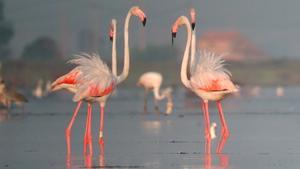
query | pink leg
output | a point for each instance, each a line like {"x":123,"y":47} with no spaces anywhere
{"x":207,"y":121}
{"x":90,"y":128}
{"x":225,"y":130}
{"x":207,"y":146}
{"x":102,"y":156}
{"x":68,"y":130}
{"x":88,"y":134}
{"x":88,"y":160}
{"x":101,"y":141}
{"x":85,"y":138}
{"x":222,"y":143}
{"x":207,"y":127}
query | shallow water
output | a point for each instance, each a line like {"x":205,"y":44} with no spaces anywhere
{"x":264,"y":133}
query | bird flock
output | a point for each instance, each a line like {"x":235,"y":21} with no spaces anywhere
{"x":92,"y":81}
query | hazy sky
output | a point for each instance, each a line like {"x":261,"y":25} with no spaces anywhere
{"x":274,"y":25}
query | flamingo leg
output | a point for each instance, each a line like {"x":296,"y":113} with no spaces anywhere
{"x":207,"y":147}
{"x":224,"y":130}
{"x":88,"y":131}
{"x":222,"y":143}
{"x":102,"y":106}
{"x":68,"y":130}
{"x":90,"y":128}
{"x":156,"y":106}
{"x":102,"y":156}
{"x":145,"y":100}
{"x":207,"y":126}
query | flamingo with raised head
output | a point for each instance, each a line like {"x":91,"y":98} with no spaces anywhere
{"x":92,"y":81}
{"x":209,"y":79}
{"x":152,"y":81}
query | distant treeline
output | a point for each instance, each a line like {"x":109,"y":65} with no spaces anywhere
{"x":271,"y":72}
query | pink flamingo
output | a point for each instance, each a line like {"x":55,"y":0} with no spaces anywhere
{"x":208,"y":79}
{"x":92,"y":81}
{"x":152,"y":81}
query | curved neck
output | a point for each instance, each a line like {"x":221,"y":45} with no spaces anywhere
{"x":193,"y":47}
{"x":114,"y":52}
{"x":157,"y":94}
{"x":183,"y":73}
{"x":125,"y":72}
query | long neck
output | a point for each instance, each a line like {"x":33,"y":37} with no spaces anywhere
{"x":193,"y":47}
{"x":183,"y":73}
{"x":157,"y":94}
{"x":125,"y":72}
{"x":114,"y":52}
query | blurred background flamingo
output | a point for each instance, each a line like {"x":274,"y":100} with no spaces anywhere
{"x":92,"y":81}
{"x":151,"y":81}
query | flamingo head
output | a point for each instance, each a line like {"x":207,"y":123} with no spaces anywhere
{"x":139,"y":13}
{"x":112,"y":28}
{"x":193,"y":18}
{"x":178,"y":22}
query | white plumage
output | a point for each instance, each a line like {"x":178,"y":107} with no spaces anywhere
{"x":207,"y":68}
{"x":94,"y":72}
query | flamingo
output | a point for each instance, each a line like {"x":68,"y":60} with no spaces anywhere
{"x":92,"y":81}
{"x":152,"y":81}
{"x":38,"y":91}
{"x":208,"y":79}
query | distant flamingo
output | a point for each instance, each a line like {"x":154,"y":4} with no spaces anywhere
{"x":38,"y":91}
{"x":92,"y":81}
{"x":152,"y":81}
{"x":209,"y":79}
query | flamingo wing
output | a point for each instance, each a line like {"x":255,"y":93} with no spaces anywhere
{"x":95,"y":80}
{"x":208,"y":72}
{"x":69,"y":78}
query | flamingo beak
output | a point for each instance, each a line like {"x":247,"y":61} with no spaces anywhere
{"x":193,"y":25}
{"x":173,"y":37}
{"x":111,"y":38}
{"x":144,"y":21}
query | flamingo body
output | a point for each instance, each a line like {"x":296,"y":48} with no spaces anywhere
{"x":209,"y":79}
{"x":150,"y":80}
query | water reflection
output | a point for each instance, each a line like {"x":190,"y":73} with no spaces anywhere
{"x":223,"y":159}
{"x":4,"y":115}
{"x":88,"y":160}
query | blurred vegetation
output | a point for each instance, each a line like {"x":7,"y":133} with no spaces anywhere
{"x":43,"y":48}
{"x":6,"y":34}
{"x":266,"y":73}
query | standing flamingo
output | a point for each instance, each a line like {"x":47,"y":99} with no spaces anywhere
{"x":92,"y":81}
{"x":152,"y":81}
{"x":209,"y":79}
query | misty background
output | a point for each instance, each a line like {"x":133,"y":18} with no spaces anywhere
{"x":36,"y":30}
{"x":273,"y":25}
